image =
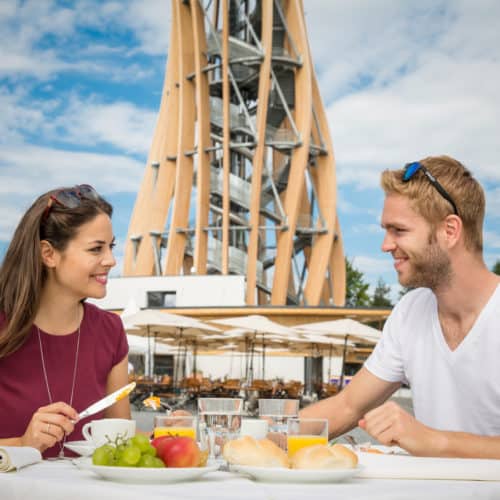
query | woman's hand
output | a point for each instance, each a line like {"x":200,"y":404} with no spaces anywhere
{"x":48,"y":425}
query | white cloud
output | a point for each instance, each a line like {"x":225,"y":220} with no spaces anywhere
{"x":120,"y":124}
{"x":29,"y":170}
{"x":150,"y":21}
{"x":368,"y":229}
{"x":77,"y":121}
{"x":11,"y":214}
{"x":408,"y":80}
{"x":373,"y":266}
{"x":417,"y":117}
{"x":360,"y":42}
{"x":491,"y":239}
{"x":491,"y":259}
{"x":493,"y":203}
{"x":16,"y":118}
{"x":24,"y":27}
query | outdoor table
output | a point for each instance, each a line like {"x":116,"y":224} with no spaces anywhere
{"x":61,"y":480}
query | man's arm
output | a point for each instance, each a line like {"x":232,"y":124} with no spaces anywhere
{"x":345,"y":409}
{"x":391,"y":425}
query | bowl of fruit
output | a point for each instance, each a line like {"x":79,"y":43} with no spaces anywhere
{"x":165,"y":459}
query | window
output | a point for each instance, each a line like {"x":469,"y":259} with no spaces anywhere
{"x":161,"y":299}
{"x":164,"y":364}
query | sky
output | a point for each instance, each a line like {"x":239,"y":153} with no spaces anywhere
{"x":80,"y":87}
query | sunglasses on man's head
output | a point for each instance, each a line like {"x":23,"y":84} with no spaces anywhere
{"x":71,"y":197}
{"x":412,"y":168}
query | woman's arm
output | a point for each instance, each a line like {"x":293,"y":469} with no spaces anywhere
{"x":118,"y":377}
{"x":10,"y":442}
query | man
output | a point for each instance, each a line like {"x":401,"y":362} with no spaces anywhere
{"x":443,"y":338}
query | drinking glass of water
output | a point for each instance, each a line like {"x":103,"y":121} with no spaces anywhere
{"x":219,"y":421}
{"x":277,"y":412}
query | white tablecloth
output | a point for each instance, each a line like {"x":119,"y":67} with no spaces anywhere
{"x":62,"y":481}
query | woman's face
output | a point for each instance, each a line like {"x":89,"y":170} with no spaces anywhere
{"x":82,"y":268}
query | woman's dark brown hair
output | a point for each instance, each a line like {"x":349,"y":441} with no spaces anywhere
{"x":23,"y":275}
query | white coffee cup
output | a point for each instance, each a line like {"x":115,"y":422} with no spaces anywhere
{"x":102,"y":431}
{"x":254,"y":427}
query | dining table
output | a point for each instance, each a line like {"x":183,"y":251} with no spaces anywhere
{"x":63,"y":480}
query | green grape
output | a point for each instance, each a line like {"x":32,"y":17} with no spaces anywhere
{"x":122,"y":463}
{"x":119,"y":452}
{"x":150,"y":450}
{"x":141,"y":441}
{"x":103,"y":455}
{"x":131,"y":455}
{"x":158,"y":462}
{"x":146,"y":461}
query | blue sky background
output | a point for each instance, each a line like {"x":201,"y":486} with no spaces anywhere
{"x":80,"y":85}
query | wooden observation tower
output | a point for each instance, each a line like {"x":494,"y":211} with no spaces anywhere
{"x":240,"y":177}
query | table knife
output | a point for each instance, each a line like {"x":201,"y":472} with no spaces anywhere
{"x":107,"y":401}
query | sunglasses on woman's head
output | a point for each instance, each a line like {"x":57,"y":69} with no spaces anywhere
{"x":71,"y":197}
{"x":412,"y":168}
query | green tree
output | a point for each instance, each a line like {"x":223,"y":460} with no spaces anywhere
{"x":357,"y":288}
{"x":381,"y":294}
{"x":496,"y":267}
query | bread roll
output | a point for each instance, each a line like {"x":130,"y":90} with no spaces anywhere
{"x":249,"y":451}
{"x":321,"y":456}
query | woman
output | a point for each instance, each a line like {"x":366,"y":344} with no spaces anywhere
{"x":58,"y":354}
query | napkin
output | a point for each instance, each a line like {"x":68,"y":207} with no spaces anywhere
{"x":15,"y":457}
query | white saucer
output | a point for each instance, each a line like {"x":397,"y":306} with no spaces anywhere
{"x":83,"y":448}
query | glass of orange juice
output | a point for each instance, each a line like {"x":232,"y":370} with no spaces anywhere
{"x":167,"y":425}
{"x":304,"y":432}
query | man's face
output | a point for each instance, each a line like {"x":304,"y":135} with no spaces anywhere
{"x":418,"y":258}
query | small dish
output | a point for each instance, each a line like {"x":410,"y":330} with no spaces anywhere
{"x":84,"y":448}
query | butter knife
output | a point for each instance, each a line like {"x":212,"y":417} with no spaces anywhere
{"x":109,"y":400}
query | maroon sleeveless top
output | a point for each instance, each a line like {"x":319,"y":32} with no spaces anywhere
{"x":103,"y":344}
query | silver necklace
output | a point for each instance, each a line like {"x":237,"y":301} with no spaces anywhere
{"x":61,"y":445}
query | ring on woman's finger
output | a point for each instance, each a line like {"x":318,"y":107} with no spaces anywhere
{"x":48,"y":429}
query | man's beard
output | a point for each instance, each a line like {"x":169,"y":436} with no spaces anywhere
{"x":430,"y":269}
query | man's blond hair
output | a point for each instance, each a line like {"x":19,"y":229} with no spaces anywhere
{"x":458,"y":182}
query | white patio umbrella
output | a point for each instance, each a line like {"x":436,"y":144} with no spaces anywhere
{"x":346,"y":329}
{"x":342,"y":327}
{"x":253,"y":325}
{"x":170,"y":326}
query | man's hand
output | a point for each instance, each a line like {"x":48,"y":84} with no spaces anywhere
{"x":391,"y":425}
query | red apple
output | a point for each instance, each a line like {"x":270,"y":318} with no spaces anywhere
{"x":181,"y":451}
{"x":159,"y":443}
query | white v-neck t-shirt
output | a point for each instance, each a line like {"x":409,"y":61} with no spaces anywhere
{"x":452,"y":390}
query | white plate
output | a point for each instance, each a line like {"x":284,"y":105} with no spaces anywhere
{"x":284,"y":475}
{"x":83,"y":448}
{"x":144,"y":474}
{"x":400,"y":465}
